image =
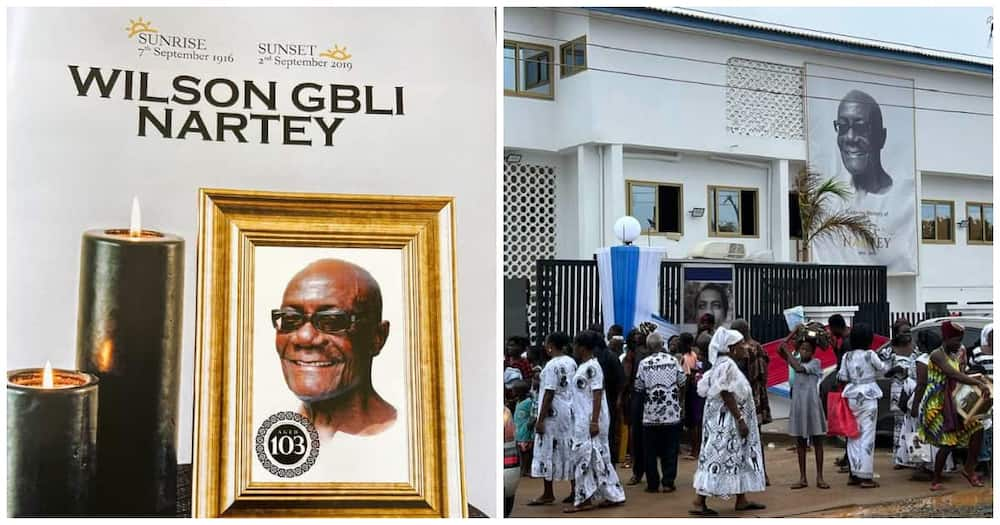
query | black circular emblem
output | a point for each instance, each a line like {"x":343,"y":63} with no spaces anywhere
{"x":287,"y":444}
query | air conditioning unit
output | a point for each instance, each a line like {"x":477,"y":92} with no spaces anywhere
{"x":718,"y":250}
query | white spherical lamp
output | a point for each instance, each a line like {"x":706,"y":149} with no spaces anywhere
{"x":627,"y":229}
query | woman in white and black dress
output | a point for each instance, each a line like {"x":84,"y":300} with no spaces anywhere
{"x":730,"y":461}
{"x":552,"y":460}
{"x":596,"y":482}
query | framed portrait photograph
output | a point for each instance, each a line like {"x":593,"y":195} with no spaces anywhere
{"x":326,"y":357}
{"x":708,"y":289}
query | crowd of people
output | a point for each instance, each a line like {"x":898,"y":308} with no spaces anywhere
{"x":584,"y":405}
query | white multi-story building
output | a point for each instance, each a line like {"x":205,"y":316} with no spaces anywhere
{"x":610,"y":111}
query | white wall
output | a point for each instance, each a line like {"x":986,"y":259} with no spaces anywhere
{"x":956,"y":272}
{"x":596,"y":109}
{"x":696,"y":173}
{"x":74,"y":163}
{"x":652,"y":112}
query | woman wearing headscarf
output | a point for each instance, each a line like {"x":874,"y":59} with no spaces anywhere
{"x":940,"y":423}
{"x":552,"y":458}
{"x":596,"y":483}
{"x":730,"y":461}
{"x":859,"y":370}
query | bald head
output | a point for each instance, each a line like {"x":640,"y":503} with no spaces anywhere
{"x":741,"y":326}
{"x":359,"y":291}
{"x":865,"y":102}
{"x":320,"y":358}
{"x":860,"y":138}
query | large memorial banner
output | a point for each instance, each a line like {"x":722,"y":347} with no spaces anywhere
{"x":861,"y":131}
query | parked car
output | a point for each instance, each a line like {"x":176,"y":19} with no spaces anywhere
{"x":511,"y":463}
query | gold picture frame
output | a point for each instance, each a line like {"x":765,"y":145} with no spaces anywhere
{"x":235,"y":227}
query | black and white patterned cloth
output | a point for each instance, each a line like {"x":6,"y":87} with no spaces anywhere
{"x":660,"y":378}
{"x":552,"y":459}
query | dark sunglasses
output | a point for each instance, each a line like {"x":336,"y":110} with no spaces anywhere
{"x":328,"y":321}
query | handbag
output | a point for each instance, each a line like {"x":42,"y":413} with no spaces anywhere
{"x":839,"y":418}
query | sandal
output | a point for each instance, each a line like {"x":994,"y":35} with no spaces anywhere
{"x":582,"y":508}
{"x":606,"y":504}
{"x":822,"y":485}
{"x":751,"y":505}
{"x":936,"y":487}
{"x":869,"y":484}
{"x":799,"y":485}
{"x":634,"y":481}
{"x":704,"y":512}
{"x":539,"y":501}
{"x":973,"y":479}
{"x":669,"y":489}
{"x":844,"y":470}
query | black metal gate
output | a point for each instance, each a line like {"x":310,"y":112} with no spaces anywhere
{"x":568,"y":294}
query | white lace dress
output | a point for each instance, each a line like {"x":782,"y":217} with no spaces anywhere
{"x":552,"y":459}
{"x":728,"y":464}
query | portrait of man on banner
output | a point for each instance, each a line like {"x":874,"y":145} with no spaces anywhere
{"x":860,"y":132}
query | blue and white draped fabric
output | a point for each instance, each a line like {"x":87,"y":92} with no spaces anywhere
{"x":630,"y":284}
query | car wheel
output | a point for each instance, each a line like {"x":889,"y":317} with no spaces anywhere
{"x":508,"y":505}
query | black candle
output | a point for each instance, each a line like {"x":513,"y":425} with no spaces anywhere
{"x":51,"y":443}
{"x":129,"y":335}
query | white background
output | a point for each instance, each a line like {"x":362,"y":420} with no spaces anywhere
{"x":74,"y":163}
{"x":380,"y":458}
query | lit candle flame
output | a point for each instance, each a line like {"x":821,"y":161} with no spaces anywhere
{"x":47,"y":376}
{"x":135,"y":227}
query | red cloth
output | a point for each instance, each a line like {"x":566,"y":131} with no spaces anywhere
{"x":950,"y":329}
{"x":777,"y":370}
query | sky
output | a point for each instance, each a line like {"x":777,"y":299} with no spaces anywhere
{"x":956,"y":29}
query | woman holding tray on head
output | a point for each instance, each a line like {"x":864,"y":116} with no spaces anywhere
{"x":940,"y":423}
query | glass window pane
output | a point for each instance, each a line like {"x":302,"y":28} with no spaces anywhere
{"x":943,"y":213}
{"x":534,"y":69}
{"x":728,"y":206}
{"x":988,"y":223}
{"x":643,"y":204}
{"x":509,"y":63}
{"x":927,"y":221}
{"x":579,"y":54}
{"x":975,"y":225}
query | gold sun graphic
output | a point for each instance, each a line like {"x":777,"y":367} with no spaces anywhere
{"x":336,"y":53}
{"x":140,"y":26}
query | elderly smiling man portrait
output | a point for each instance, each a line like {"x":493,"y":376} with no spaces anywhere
{"x":328,"y":330}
